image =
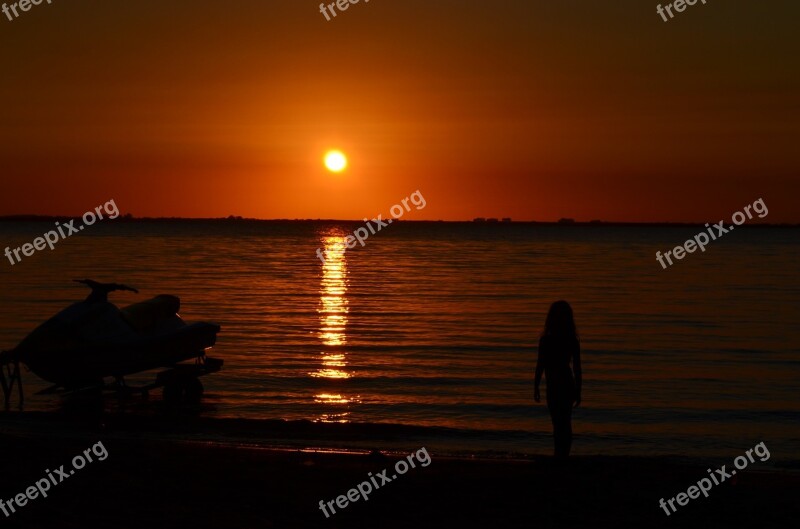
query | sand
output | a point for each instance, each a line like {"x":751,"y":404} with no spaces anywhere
{"x":175,"y":473}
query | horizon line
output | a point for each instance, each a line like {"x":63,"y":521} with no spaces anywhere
{"x":565,"y":221}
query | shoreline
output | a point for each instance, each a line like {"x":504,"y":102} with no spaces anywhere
{"x":281,"y":435}
{"x":164,"y":481}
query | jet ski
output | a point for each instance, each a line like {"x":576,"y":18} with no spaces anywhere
{"x":93,"y":339}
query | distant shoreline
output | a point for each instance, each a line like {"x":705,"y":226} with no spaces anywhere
{"x":482,"y":222}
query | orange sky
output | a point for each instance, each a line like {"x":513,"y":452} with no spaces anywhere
{"x":528,"y":109}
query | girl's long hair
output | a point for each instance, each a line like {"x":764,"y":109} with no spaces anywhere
{"x":560,"y":322}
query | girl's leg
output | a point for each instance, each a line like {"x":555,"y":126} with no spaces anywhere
{"x":567,"y":435}
{"x":561,"y":415}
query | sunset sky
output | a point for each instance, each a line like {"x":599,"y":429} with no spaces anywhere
{"x":511,"y":108}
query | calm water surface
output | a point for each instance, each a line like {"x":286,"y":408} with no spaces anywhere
{"x":435,"y":324}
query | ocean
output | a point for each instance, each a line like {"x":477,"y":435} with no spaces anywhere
{"x":434,"y":325}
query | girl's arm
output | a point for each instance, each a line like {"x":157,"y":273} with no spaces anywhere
{"x":539,"y":371}
{"x":576,"y":367}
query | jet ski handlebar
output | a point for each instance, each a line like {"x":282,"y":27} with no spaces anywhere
{"x":100,"y":291}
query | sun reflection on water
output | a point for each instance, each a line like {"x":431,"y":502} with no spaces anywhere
{"x":333,"y":323}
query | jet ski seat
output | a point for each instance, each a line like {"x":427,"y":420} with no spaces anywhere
{"x":146,"y":315}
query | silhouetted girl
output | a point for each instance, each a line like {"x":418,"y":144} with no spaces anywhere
{"x":558,"y":346}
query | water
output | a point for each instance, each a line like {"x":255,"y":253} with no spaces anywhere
{"x":435,"y":325}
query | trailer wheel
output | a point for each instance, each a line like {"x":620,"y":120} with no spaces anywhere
{"x":187,"y":390}
{"x":194,"y":390}
{"x":173,"y":392}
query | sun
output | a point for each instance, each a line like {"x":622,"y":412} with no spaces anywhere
{"x":335,"y":161}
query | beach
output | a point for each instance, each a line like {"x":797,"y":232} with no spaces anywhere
{"x":163,"y":473}
{"x":334,"y":371}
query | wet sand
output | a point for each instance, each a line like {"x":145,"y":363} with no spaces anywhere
{"x":158,"y":475}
